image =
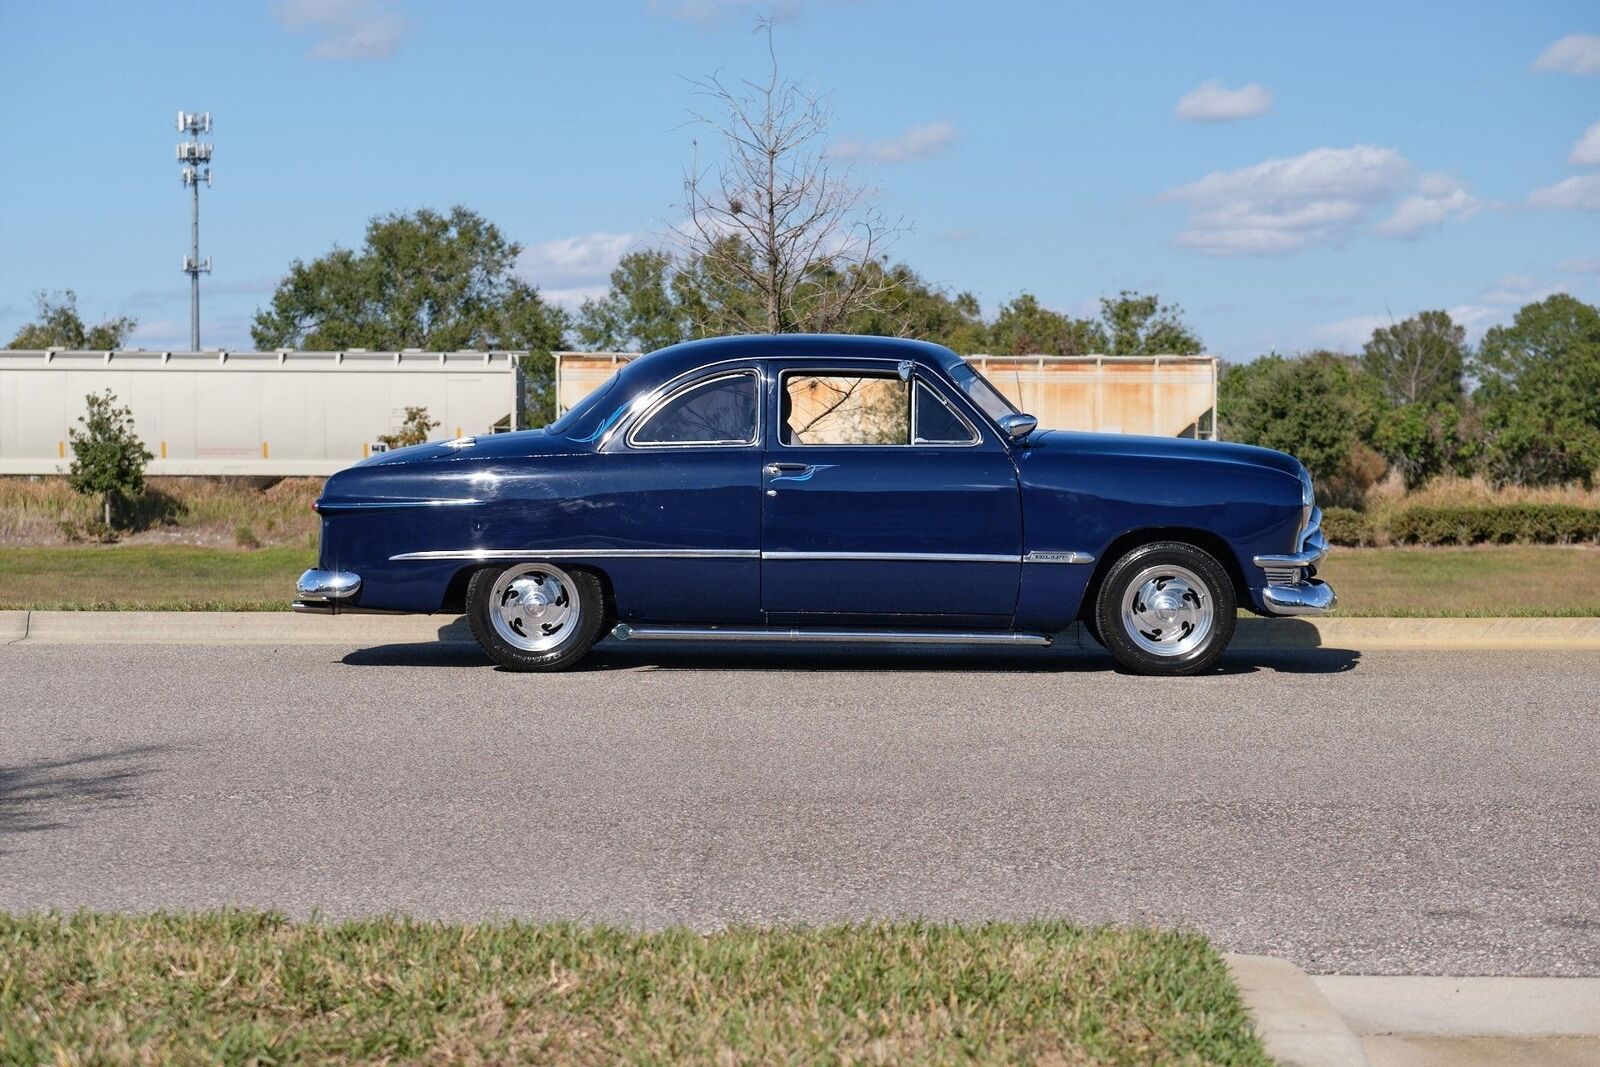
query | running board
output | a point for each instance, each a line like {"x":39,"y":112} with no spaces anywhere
{"x":624,"y":632}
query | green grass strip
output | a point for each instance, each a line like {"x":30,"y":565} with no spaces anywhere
{"x":244,"y":987}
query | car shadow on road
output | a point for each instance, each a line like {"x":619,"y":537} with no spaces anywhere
{"x":43,"y":794}
{"x":1069,"y":654}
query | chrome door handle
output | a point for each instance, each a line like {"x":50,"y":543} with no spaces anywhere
{"x":787,"y":468}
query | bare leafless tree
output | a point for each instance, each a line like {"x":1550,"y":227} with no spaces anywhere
{"x":773,"y":218}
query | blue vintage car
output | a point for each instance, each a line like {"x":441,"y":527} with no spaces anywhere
{"x":862,"y":490}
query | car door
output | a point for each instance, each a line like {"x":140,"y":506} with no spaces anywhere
{"x":884,"y":497}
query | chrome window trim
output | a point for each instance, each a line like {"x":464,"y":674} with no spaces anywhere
{"x":843,"y":371}
{"x":628,"y":413}
{"x":699,"y":383}
{"x":487,"y":554}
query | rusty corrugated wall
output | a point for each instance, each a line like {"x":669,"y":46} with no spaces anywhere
{"x":1168,"y":396}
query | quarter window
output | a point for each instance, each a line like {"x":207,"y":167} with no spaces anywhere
{"x":934,"y":422}
{"x":837,"y":409}
{"x":721,"y":411}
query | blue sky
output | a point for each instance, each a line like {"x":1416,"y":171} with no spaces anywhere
{"x":1291,"y":174}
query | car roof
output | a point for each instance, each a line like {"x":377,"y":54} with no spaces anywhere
{"x":664,"y":364}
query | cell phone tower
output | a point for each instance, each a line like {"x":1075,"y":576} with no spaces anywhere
{"x":196,"y":159}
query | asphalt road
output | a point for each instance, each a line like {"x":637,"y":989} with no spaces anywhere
{"x":1379,"y":813}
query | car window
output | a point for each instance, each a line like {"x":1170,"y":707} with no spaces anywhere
{"x":840,"y":409}
{"x":721,"y":411}
{"x":979,"y":390}
{"x":934,"y":422}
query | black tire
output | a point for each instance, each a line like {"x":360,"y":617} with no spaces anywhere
{"x":580,"y":596}
{"x":1199,"y":597}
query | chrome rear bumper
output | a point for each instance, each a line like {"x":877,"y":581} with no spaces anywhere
{"x":319,"y":592}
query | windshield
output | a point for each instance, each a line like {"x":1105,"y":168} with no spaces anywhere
{"x":990,"y":401}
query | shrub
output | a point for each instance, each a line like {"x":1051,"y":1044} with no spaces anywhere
{"x":108,"y":459}
{"x":244,"y":535}
{"x":1347,"y":526}
{"x":1503,"y":524}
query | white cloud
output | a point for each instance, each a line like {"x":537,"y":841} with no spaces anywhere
{"x":1580,"y":265}
{"x":918,"y":142}
{"x":346,"y":29}
{"x":1321,"y":197}
{"x":1586,"y":153}
{"x":1576,"y":53}
{"x":1212,"y":102}
{"x":1580,"y":193}
{"x":1349,"y":334}
{"x":570,"y":270}
{"x":1438,"y":197}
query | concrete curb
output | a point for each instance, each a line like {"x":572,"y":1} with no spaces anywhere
{"x":286,"y":628}
{"x":1292,"y":1017}
{"x":1465,"y":1007}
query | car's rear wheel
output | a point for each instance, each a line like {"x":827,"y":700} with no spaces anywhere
{"x":1166,"y":608}
{"x":535,"y":616}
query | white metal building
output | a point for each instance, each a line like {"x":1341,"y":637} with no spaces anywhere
{"x":254,"y":413}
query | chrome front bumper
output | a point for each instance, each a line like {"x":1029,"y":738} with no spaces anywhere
{"x":1289,"y":590}
{"x":319,"y":592}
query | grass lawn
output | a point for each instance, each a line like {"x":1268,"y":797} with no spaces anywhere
{"x":1487,"y":580}
{"x":243,"y":987}
{"x":151,"y":577}
{"x":1492,"y":580}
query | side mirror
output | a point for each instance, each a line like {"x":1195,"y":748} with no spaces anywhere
{"x":1018,"y":426}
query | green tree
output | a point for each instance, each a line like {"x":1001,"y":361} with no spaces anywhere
{"x":413,"y":431}
{"x":1424,"y":440}
{"x":1135,"y":324}
{"x":60,"y":326}
{"x":1320,"y":407}
{"x":1026,"y":327}
{"x":108,"y":459}
{"x":1539,"y":393}
{"x":1418,"y":361}
{"x":640,"y":312}
{"x":910,"y":306}
{"x":424,"y":280}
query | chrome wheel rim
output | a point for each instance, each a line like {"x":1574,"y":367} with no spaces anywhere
{"x":534,"y":606}
{"x":1167,"y":610}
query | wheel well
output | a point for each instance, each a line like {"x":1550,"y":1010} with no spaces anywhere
{"x":1204,"y":540}
{"x":455,"y":594}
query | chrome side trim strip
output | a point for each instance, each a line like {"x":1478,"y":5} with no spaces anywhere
{"x":625,"y":632}
{"x":1058,"y":557}
{"x":385,"y":505}
{"x":895,"y":557}
{"x":485,"y":554}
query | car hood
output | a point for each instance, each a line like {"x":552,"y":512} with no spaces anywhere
{"x":1175,"y":450}
{"x":484,"y":446}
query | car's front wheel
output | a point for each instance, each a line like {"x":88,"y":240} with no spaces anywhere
{"x":1166,"y":608}
{"x":535,"y":616}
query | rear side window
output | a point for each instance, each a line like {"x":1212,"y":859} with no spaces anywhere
{"x":718,"y":411}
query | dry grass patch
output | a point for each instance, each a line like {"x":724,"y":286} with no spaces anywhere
{"x":253,"y":988}
{"x":196,"y":511}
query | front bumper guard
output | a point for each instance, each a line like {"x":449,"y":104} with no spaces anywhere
{"x":1290,"y":590}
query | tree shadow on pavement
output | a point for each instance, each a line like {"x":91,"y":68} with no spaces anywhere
{"x":42,"y":794}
